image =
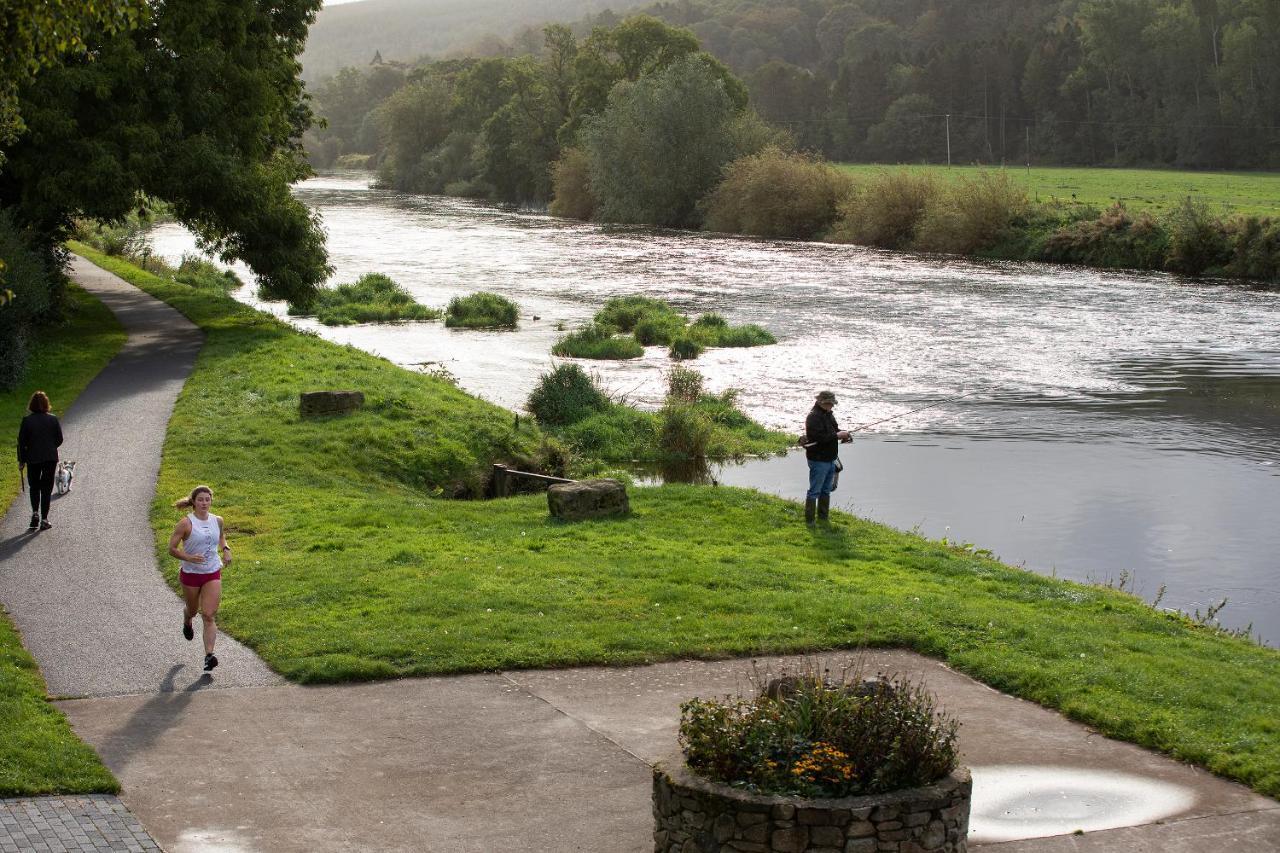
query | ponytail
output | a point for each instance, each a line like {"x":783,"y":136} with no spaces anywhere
{"x":190,"y":500}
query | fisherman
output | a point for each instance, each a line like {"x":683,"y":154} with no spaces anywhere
{"x":822,"y":437}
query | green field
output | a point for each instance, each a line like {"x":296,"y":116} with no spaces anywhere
{"x":347,"y":569}
{"x":39,"y":754}
{"x":1150,"y":189}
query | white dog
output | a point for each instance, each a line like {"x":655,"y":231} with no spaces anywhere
{"x":65,"y":474}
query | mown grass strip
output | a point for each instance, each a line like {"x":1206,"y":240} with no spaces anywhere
{"x":39,"y":754}
{"x":345,"y":570}
{"x":1156,"y":190}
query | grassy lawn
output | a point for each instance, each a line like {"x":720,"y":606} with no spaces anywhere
{"x":348,"y":568}
{"x":39,"y":754}
{"x":1157,"y":190}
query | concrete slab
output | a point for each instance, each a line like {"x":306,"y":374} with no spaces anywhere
{"x":559,"y":760}
{"x":460,"y":764}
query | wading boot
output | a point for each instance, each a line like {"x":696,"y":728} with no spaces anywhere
{"x":810,"y":505}
{"x":824,"y":508}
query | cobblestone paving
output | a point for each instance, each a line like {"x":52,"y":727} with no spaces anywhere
{"x":62,"y":824}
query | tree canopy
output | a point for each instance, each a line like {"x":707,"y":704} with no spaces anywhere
{"x":199,"y":105}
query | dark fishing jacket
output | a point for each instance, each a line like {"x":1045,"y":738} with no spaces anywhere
{"x":820,"y":430}
{"x":39,"y":438}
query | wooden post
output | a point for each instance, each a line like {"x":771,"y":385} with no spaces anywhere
{"x":501,"y":483}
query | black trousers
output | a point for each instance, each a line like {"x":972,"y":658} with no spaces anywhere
{"x":40,"y":480}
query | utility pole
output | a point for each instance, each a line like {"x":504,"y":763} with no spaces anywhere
{"x":948,"y":140}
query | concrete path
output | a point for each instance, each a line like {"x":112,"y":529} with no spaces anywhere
{"x":559,"y":761}
{"x":538,"y":761}
{"x":87,"y":595}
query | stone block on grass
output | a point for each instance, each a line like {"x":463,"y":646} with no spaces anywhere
{"x":587,"y":499}
{"x":316,"y":403}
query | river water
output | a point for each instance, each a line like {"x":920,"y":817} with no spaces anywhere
{"x":1119,"y":427}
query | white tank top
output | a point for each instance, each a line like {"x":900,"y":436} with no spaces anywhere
{"x":203,"y":539}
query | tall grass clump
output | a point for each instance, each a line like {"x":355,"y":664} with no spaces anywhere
{"x":195,"y":271}
{"x":1116,"y":238}
{"x":684,"y":347}
{"x":599,"y":342}
{"x":571,"y":186}
{"x":971,"y":214}
{"x":886,"y":210}
{"x":684,"y":385}
{"x":778,"y":194}
{"x":564,"y":396}
{"x":808,"y":735}
{"x":685,"y":430}
{"x":714,"y":331}
{"x":625,"y":312}
{"x":481,"y":311}
{"x":372,"y":298}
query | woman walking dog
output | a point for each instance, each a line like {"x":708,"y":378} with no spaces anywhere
{"x":39,"y":438}
{"x":200,"y":543}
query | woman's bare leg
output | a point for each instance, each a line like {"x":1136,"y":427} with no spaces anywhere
{"x":190,"y":602}
{"x":210,"y":598}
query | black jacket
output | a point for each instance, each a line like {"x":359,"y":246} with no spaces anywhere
{"x":39,"y":438}
{"x":820,"y":430}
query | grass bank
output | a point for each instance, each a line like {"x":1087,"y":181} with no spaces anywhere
{"x":348,"y":569}
{"x":1154,"y":190}
{"x":39,"y":754}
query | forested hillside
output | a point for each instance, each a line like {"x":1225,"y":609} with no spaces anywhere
{"x":1185,"y":83}
{"x":406,"y":30}
{"x":1192,"y":83}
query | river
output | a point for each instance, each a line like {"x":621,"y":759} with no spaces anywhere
{"x":1120,"y":427}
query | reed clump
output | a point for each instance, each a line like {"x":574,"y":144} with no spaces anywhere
{"x":372,"y":298}
{"x":481,"y":311}
{"x":597,"y":341}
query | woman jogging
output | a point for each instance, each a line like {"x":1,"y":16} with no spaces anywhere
{"x":39,"y":438}
{"x":200,"y":542}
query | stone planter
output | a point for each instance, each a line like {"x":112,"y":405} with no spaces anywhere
{"x":692,"y":815}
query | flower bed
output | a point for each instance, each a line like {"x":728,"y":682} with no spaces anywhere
{"x":811,"y":763}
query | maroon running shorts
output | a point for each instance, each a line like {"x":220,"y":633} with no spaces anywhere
{"x":198,"y":580}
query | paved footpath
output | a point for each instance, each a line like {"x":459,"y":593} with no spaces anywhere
{"x":539,"y":761}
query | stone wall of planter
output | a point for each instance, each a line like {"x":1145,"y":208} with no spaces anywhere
{"x":692,"y":815}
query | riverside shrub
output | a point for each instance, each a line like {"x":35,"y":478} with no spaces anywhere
{"x":971,"y":214}
{"x":1116,"y":238}
{"x":1255,"y":248}
{"x":565,"y":396}
{"x":886,"y":210}
{"x":810,"y":736}
{"x":1198,"y":240}
{"x":481,"y":311}
{"x":778,"y":194}
{"x":571,"y":186}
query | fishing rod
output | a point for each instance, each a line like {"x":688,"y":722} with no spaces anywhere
{"x":933,"y":405}
{"x":913,"y":411}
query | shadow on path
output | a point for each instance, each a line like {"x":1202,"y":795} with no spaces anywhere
{"x":148,"y":723}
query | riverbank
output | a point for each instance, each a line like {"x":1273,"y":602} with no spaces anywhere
{"x":350,"y":570}
{"x":39,"y":754}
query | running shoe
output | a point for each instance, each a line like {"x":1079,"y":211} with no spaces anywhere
{"x":35,"y":522}
{"x":210,"y":661}
{"x":45,"y":525}
{"x":186,"y":630}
